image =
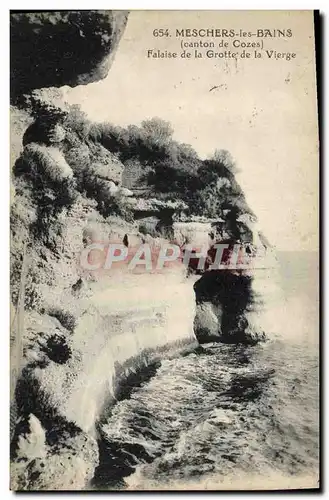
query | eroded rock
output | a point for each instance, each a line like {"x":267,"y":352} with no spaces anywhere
{"x":67,"y":465}
{"x":207,"y":323}
{"x":52,"y":49}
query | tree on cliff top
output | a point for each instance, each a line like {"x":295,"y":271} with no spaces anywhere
{"x":157,"y":131}
{"x":175,"y":169}
{"x":224,"y":157}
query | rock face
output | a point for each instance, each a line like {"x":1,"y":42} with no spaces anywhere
{"x":236,"y":303}
{"x":195,"y":233}
{"x":62,"y":48}
{"x":82,"y":333}
{"x":121,"y":327}
{"x":49,"y":448}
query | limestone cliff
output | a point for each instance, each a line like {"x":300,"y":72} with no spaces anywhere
{"x":49,"y":50}
{"x":75,"y":335}
{"x":78,"y":334}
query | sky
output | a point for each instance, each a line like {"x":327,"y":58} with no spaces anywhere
{"x":262,"y":110}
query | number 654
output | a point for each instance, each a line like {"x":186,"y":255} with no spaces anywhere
{"x":161,"y":32}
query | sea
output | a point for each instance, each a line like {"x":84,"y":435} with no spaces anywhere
{"x":227,"y":417}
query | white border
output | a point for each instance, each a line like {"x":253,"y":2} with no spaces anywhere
{"x":170,"y":5}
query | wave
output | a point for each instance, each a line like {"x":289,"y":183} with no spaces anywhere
{"x":220,"y":414}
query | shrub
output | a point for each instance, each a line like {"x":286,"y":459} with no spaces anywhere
{"x":77,"y":121}
{"x":110,"y":136}
{"x":41,"y":161}
{"x":66,"y":319}
{"x":57,"y":349}
{"x":44,"y":131}
{"x":107,"y":203}
{"x":149,"y":227}
{"x":225,"y":158}
{"x":157,"y":131}
{"x":51,"y":178}
{"x":78,"y":158}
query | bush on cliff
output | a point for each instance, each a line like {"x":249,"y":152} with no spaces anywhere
{"x":225,"y":158}
{"x":79,"y":158}
{"x":43,"y":163}
{"x":165,"y":166}
{"x":92,"y":155}
{"x":146,"y":143}
{"x":77,"y":121}
{"x":66,"y":319}
{"x":49,"y":176}
{"x":172,"y":168}
{"x":107,"y":204}
{"x":44,"y":188}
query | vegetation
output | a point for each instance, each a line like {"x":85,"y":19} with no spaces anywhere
{"x":87,"y":156}
{"x":174,"y":169}
{"x":66,"y":319}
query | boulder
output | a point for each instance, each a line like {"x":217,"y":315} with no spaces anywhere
{"x":206,"y":323}
{"x":67,"y":466}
